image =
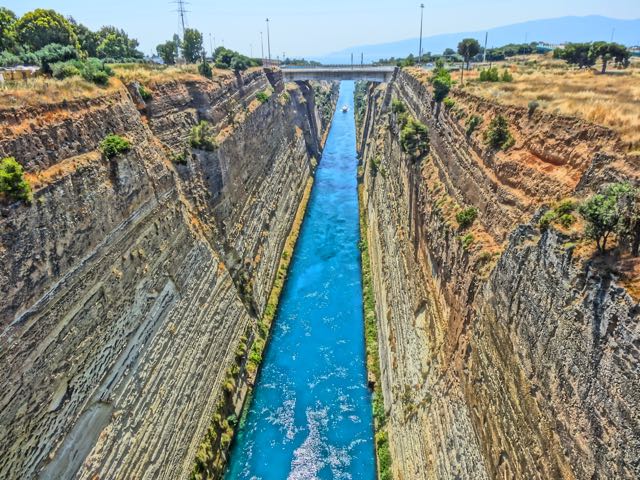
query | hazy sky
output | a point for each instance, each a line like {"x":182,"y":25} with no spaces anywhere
{"x":300,"y":27}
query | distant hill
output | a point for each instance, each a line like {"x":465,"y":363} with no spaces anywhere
{"x":553,"y":30}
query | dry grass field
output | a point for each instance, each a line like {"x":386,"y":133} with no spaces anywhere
{"x":611,"y":100}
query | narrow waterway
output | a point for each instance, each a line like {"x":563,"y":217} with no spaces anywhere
{"x":310,"y":417}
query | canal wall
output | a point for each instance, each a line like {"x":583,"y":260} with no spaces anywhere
{"x":133,"y":285}
{"x":506,"y":351}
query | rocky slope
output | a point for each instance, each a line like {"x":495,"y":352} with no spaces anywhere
{"x":506,"y":354}
{"x":128,"y":283}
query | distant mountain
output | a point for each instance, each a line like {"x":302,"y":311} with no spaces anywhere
{"x":553,"y":30}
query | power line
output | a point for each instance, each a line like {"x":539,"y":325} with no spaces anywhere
{"x":182,"y":11}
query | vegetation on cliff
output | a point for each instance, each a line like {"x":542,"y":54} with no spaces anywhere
{"x":12,"y":181}
{"x":202,"y":136}
{"x":114,"y":145}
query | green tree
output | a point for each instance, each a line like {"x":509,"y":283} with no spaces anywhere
{"x":602,"y":216}
{"x":628,"y":206}
{"x":204,"y":68}
{"x":12,"y":181}
{"x":448,"y":52}
{"x":609,"y":51}
{"x":167,"y":51}
{"x":87,"y":39}
{"x":7,"y":21}
{"x":192,"y":45}
{"x":115,"y":44}
{"x":414,"y":138}
{"x":54,"y":53}
{"x":498,"y":135}
{"x":441,"y":88}
{"x":576,"y":54}
{"x":39,"y":28}
{"x":468,"y":48}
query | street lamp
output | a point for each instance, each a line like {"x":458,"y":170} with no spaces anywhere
{"x":421,"y":18}
{"x":268,"y":42}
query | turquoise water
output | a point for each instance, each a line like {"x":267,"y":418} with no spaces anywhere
{"x":310,"y":417}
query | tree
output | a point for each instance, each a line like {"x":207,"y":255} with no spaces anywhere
{"x":54,"y":53}
{"x":628,"y":206}
{"x":7,"y":21}
{"x":468,"y":48}
{"x":192,"y":45}
{"x":603,"y":214}
{"x":414,"y":138}
{"x":576,"y":54}
{"x":498,"y":135}
{"x":115,"y":44}
{"x":167,"y":51}
{"x":12,"y":181}
{"x":87,"y":39}
{"x":41,"y":27}
{"x":607,"y":52}
{"x":448,"y":52}
{"x":441,"y":87}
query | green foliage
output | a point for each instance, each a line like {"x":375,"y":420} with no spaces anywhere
{"x":473,"y":122}
{"x":263,"y":97}
{"x":533,"y":106}
{"x":192,"y":45}
{"x":468,"y":48}
{"x":229,"y":59}
{"x":441,"y":87}
{"x":180,"y":158}
{"x":414,"y":138}
{"x":40,"y":27}
{"x":96,"y":72}
{"x":506,"y":76}
{"x":114,"y":145}
{"x":8,"y":59}
{"x":398,"y":106}
{"x":202,"y":137}
{"x":205,"y":70}
{"x":54,"y":53}
{"x":576,"y":54}
{"x":116,"y":44}
{"x":144,"y":93}
{"x":498,"y":135}
{"x":489,"y":75}
{"x":168,"y":51}
{"x":12,"y":181}
{"x":448,"y":103}
{"x":384,"y":455}
{"x":467,"y":240}
{"x":7,"y":22}
{"x":561,"y":213}
{"x":87,"y":39}
{"x":608,"y":51}
{"x":62,"y":70}
{"x":466,"y":217}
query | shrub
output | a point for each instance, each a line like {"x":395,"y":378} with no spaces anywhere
{"x":506,"y":76}
{"x":114,"y":145}
{"x":533,"y":106}
{"x":262,"y":97}
{"x":54,"y":53}
{"x":498,"y":135}
{"x":562,"y":213}
{"x":144,"y":93}
{"x":472,"y":123}
{"x":205,"y":70}
{"x":441,"y":87}
{"x":466,"y":217}
{"x":398,"y":106}
{"x":546,"y":220}
{"x":8,"y":59}
{"x":180,"y":158}
{"x":449,"y":103}
{"x":61,"y":70}
{"x":414,"y":138}
{"x":490,"y":75}
{"x":566,"y":220}
{"x":96,"y":72}
{"x":202,"y":137}
{"x":467,"y":240}
{"x":12,"y":181}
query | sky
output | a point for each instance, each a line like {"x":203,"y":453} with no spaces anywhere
{"x":312,"y":28}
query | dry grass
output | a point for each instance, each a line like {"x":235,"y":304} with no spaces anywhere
{"x":40,"y":90}
{"x":611,"y":100}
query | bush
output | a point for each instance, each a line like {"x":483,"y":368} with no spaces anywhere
{"x":472,"y":123}
{"x":498,"y":135}
{"x":202,"y":137}
{"x":449,"y":103}
{"x":144,"y":93}
{"x":96,"y":72}
{"x":414,"y":138}
{"x":262,"y":97}
{"x":490,"y":75}
{"x":8,"y":59}
{"x":398,"y":106}
{"x":114,"y":145}
{"x":467,"y":240}
{"x":533,"y":106}
{"x":180,"y":158}
{"x":54,"y":53}
{"x":441,"y":87}
{"x":12,"y":181}
{"x":466,"y":217}
{"x":561,"y":213}
{"x":205,"y":70}
{"x":62,"y":70}
{"x":506,"y":76}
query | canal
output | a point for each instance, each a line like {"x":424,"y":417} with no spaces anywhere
{"x":310,"y":416}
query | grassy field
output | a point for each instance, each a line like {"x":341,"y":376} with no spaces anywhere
{"x":611,"y":100}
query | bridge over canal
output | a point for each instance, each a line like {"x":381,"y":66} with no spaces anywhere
{"x":337,"y":73}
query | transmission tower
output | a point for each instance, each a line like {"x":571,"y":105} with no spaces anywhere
{"x":182,"y":11}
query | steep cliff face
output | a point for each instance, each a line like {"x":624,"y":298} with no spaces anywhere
{"x":128,"y":283}
{"x":504,"y":354}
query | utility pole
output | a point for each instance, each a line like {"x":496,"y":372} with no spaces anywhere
{"x":421,"y":18}
{"x":268,"y":42}
{"x":484,"y":55}
{"x":262,"y":47}
{"x":182,"y":12}
{"x":211,"y":45}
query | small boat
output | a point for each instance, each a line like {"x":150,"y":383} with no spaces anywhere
{"x":345,"y":109}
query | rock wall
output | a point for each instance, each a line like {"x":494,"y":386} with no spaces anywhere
{"x":511,"y":356}
{"x":127,"y":283}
